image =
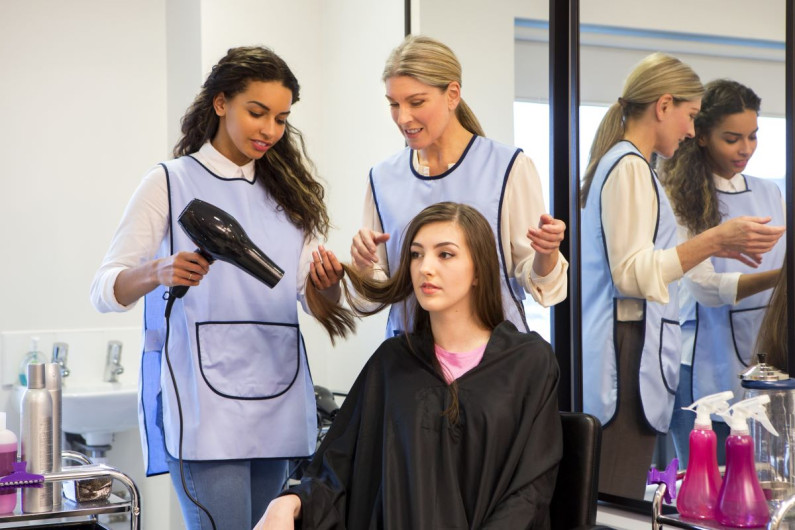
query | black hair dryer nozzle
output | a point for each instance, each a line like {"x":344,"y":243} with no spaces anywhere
{"x":219,"y":236}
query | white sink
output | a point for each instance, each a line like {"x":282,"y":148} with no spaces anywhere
{"x":96,"y":410}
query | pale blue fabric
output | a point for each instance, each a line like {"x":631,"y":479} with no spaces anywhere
{"x":659,"y":367}
{"x":725,"y":335}
{"x":477,"y":179}
{"x":235,"y":345}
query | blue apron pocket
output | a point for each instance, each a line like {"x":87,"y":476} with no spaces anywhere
{"x":248,"y":360}
{"x":670,"y":353}
{"x":745,"y":325}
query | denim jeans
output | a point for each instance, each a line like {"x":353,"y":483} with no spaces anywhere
{"x":235,"y":492}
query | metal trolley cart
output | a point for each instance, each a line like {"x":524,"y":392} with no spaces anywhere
{"x":83,"y":514}
{"x":777,"y":519}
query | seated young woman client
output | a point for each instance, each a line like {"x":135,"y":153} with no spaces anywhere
{"x":453,"y":425}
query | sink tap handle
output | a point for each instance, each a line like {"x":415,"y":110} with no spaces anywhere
{"x":60,"y":354}
{"x":114,"y":352}
{"x":113,"y":367}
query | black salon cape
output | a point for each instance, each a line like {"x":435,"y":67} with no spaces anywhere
{"x":391,"y":460}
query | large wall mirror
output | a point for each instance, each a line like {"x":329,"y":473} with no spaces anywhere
{"x":747,"y":47}
{"x":595,"y":44}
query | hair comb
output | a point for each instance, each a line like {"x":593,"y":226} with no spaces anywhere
{"x":21,"y":478}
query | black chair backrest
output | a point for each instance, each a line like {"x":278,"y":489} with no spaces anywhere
{"x":574,"y":500}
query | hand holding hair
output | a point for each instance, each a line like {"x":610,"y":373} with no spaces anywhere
{"x":325,"y":270}
{"x":364,"y":248}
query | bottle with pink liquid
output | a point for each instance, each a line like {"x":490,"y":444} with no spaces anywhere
{"x":698,"y":496}
{"x":741,"y":502}
{"x":8,"y":455}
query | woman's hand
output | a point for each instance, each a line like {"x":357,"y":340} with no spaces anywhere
{"x":363,"y":249}
{"x":746,"y":238}
{"x":325,"y":270}
{"x":183,"y":268}
{"x":547,"y":237}
{"x":281,"y":513}
{"x":545,"y":240}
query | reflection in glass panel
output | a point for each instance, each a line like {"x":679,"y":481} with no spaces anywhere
{"x":531,"y":123}
{"x":609,"y":52}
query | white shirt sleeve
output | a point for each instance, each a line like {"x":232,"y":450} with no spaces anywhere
{"x":523,"y":205}
{"x":371,"y":220}
{"x":629,"y":218}
{"x":304,"y":260}
{"x":143,"y":226}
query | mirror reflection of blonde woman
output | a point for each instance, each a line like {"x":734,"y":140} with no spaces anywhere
{"x":632,"y":262}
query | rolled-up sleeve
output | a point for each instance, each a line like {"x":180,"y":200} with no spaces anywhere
{"x":143,"y":226}
{"x":523,"y":206}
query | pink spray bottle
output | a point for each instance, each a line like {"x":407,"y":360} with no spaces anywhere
{"x":741,"y":502}
{"x":698,"y":496}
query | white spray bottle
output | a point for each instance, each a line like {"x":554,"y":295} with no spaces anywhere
{"x":741,"y":502}
{"x":698,"y":497}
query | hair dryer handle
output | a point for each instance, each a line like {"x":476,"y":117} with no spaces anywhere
{"x":178,"y":291}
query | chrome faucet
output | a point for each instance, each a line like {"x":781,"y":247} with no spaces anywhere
{"x":113,"y":367}
{"x":60,"y":354}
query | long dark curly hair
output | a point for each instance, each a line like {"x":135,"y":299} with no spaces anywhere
{"x":285,"y":170}
{"x":687,"y":176}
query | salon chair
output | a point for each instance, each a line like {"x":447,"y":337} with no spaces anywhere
{"x":573,"y":503}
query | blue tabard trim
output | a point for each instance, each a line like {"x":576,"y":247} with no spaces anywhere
{"x":477,"y":179}
{"x":659,"y":367}
{"x":235,"y":344}
{"x":725,"y":335}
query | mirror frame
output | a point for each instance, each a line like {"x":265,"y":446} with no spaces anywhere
{"x":564,"y":168}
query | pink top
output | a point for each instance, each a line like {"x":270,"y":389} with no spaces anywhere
{"x":454,"y":365}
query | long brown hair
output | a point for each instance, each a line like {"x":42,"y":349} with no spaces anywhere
{"x":285,"y":170}
{"x":656,"y":75}
{"x":687,"y":176}
{"x":772,"y":337}
{"x":398,"y":289}
{"x":433,"y":63}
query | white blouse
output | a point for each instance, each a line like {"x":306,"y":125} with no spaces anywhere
{"x":629,"y":218}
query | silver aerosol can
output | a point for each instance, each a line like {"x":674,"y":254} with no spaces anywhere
{"x":36,"y":439}
{"x":52,"y":382}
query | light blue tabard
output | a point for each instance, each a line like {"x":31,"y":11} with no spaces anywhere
{"x":659,"y":366}
{"x":725,"y":335}
{"x":235,"y":346}
{"x":477,"y":179}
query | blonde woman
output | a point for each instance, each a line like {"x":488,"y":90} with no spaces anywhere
{"x":448,"y":158}
{"x":631,"y":335}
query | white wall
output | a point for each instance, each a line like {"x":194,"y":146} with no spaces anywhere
{"x":91,"y":97}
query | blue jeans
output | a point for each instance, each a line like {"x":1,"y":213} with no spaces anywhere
{"x":235,"y":492}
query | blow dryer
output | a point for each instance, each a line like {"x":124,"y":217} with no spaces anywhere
{"x":219,"y":236}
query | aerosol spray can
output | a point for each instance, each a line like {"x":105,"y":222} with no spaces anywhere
{"x":36,"y":439}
